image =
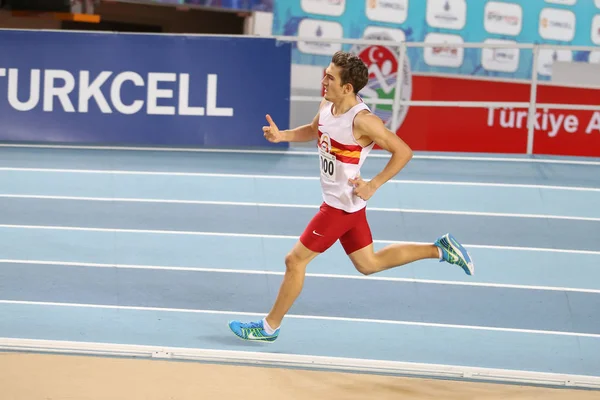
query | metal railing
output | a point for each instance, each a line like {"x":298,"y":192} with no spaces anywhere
{"x":532,"y":105}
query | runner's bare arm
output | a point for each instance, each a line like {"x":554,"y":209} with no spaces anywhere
{"x":304,"y":133}
{"x":370,"y":126}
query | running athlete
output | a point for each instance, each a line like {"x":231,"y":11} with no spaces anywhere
{"x":346,"y":131}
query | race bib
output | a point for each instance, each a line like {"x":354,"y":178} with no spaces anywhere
{"x":327,"y":165}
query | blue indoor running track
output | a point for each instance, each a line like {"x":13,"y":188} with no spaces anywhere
{"x":139,"y":252}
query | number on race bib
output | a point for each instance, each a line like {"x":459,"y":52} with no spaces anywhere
{"x":327,"y":165}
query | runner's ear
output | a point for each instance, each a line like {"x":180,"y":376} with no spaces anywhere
{"x":348,"y":88}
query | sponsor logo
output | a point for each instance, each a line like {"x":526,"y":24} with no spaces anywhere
{"x":252,"y":335}
{"x":449,"y":14}
{"x":500,"y":59}
{"x":56,"y":89}
{"x":509,"y":20}
{"x":324,"y":7}
{"x":325,"y":142}
{"x":557,"y":24}
{"x":503,"y":18}
{"x":319,"y":29}
{"x":394,"y":11}
{"x":383,"y":68}
{"x":443,"y":56}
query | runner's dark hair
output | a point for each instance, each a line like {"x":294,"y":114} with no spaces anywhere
{"x":353,"y":70}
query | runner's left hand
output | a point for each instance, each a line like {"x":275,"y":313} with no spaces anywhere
{"x":362,"y":189}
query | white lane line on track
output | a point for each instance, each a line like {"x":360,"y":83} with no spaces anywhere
{"x":292,"y":177}
{"x":374,"y":154}
{"x":312,"y":317}
{"x":308,"y":274}
{"x":309,"y":206}
{"x":267,"y":236}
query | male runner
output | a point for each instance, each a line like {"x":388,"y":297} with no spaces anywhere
{"x":346,"y":131}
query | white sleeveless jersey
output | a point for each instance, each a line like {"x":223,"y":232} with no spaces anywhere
{"x":340,"y":157}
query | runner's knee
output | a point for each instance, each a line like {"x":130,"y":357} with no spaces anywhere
{"x":365,"y":269}
{"x":365,"y":266}
{"x":294,"y":263}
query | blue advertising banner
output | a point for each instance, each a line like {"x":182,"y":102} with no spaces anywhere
{"x":131,"y":89}
{"x":563,"y":22}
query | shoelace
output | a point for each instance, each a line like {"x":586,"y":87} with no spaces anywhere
{"x":252,"y":325}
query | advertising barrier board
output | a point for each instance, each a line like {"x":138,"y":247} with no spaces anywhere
{"x":499,"y":130}
{"x":131,"y":89}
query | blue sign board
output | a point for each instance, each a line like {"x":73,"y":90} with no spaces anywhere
{"x":132,"y":89}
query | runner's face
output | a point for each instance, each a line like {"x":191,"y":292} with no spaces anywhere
{"x":332,"y":84}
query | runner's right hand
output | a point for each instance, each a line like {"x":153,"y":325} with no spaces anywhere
{"x":271,"y":132}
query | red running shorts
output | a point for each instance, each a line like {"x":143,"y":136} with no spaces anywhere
{"x":330,"y":224}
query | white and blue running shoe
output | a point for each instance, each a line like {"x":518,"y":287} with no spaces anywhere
{"x":454,"y":253}
{"x":253,"y":331}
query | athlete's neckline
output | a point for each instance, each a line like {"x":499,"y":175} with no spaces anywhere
{"x":360,"y":101}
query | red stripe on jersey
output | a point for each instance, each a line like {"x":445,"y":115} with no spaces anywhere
{"x":346,"y":147}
